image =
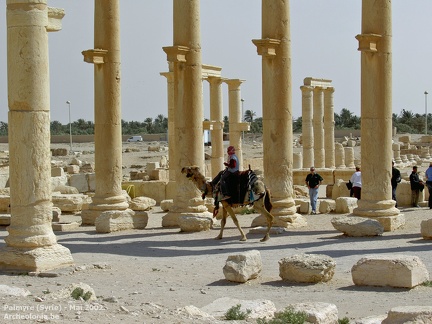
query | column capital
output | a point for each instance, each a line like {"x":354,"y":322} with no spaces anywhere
{"x":95,"y":56}
{"x":214,"y":80}
{"x":168,"y":75}
{"x":329,"y":89}
{"x":306,"y":89}
{"x":233,"y":84}
{"x":176,"y":53}
{"x":368,"y":42}
{"x":55,"y":16}
{"x":266,"y":47}
{"x":240,"y":127}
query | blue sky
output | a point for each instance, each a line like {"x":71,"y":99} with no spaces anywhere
{"x":323,"y":45}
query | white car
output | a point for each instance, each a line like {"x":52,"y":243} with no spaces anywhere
{"x":135,"y":139}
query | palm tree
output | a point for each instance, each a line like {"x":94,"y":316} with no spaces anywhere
{"x":249,"y":116}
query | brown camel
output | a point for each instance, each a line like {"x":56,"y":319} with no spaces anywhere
{"x":258,"y":195}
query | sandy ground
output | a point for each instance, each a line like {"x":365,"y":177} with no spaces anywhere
{"x":145,"y":276}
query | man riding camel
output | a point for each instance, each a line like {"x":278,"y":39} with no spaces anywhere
{"x":226,"y":176}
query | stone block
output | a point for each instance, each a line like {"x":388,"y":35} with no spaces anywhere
{"x":159,"y":174}
{"x":119,"y":220}
{"x":243,"y":266}
{"x":152,"y":166}
{"x":403,"y":271}
{"x":80,"y":181}
{"x":317,"y":312}
{"x":426,"y":229}
{"x":357,"y":226}
{"x":403,"y":194}
{"x":305,"y":206}
{"x":64,"y":227}
{"x":308,"y":268}
{"x":340,"y":189}
{"x":327,"y":206}
{"x":406,"y":139}
{"x":166,"y":204}
{"x":151,"y":189}
{"x":4,"y":203}
{"x":195,"y":222}
{"x":426,"y":139}
{"x":5,"y":220}
{"x":68,"y":203}
{"x":409,"y":314}
{"x":345,"y":205}
{"x":57,"y":172}
{"x":73,"y":169}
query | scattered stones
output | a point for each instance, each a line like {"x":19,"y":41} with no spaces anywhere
{"x":243,"y":267}
{"x":309,"y":268}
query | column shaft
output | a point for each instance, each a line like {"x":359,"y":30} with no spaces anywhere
{"x":318,"y":125}
{"x":329,"y":124}
{"x":307,"y":126}
{"x":216,"y":118}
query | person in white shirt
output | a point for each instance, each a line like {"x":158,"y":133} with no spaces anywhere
{"x":357,"y":183}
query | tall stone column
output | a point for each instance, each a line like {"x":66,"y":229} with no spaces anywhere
{"x":396,"y":153}
{"x":31,"y":244}
{"x":376,"y":111}
{"x":349,"y":157}
{"x":340,"y":156}
{"x":185,"y":57}
{"x":108,"y":139}
{"x":329,"y":124}
{"x":236,"y":126}
{"x":318,"y":125}
{"x":216,"y":119}
{"x":274,"y":47}
{"x":171,"y":136}
{"x":307,"y":126}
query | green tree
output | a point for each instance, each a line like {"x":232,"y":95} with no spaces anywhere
{"x":249,"y":116}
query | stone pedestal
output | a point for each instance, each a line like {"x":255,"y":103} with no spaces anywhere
{"x":376,"y":111}
{"x":31,"y":244}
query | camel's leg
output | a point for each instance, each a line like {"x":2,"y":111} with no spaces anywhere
{"x":235,"y":220}
{"x":223,"y":222}
{"x":259,"y":205}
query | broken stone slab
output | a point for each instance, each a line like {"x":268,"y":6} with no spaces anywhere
{"x":318,"y":312}
{"x":69,"y":202}
{"x":64,"y":226}
{"x":120,"y":220}
{"x":195,"y":222}
{"x":409,"y":314}
{"x":404,"y":271}
{"x":13,"y":291}
{"x":357,"y":226}
{"x":142,"y":203}
{"x":166,"y":204}
{"x":5,"y":220}
{"x":327,"y":206}
{"x":308,"y":268}
{"x":345,"y":205}
{"x":259,"y":308}
{"x":243,"y":266}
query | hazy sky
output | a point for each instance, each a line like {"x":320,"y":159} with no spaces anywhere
{"x":323,"y":45}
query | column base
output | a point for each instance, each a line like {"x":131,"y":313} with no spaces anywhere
{"x":88,"y":216}
{"x":39,"y":259}
{"x":383,"y":211}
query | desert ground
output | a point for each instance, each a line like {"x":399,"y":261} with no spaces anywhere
{"x":151,"y":275}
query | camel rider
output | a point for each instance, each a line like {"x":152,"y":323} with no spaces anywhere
{"x":226,"y":176}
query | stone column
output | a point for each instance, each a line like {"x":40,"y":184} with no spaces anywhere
{"x":274,"y":47}
{"x":307,"y":126}
{"x":376,"y":111}
{"x":108,"y":139}
{"x":349,"y":157}
{"x":31,"y":244}
{"x":329,"y":124}
{"x":236,"y":126}
{"x":297,"y":160}
{"x":340,"y":156}
{"x":185,"y":57}
{"x":171,"y":128}
{"x":318,"y":125}
{"x":216,"y":119}
{"x":396,"y":153}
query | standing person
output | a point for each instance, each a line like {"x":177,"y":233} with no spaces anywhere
{"x":429,"y":184}
{"x":313,"y":181}
{"x":395,"y":179}
{"x":416,"y":186}
{"x":356,"y":183}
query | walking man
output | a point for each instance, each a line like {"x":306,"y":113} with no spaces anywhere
{"x":313,"y":181}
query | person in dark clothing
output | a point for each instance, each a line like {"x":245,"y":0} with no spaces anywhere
{"x":416,"y":186}
{"x":429,"y":184}
{"x":313,"y":181}
{"x":395,"y":179}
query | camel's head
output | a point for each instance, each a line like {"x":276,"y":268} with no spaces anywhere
{"x":190,"y":171}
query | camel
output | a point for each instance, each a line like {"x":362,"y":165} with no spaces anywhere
{"x":258,"y":195}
